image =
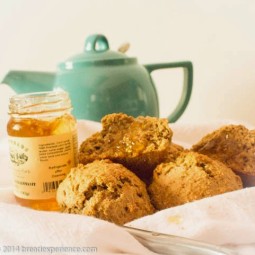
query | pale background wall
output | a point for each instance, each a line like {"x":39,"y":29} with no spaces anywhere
{"x":217,"y":36}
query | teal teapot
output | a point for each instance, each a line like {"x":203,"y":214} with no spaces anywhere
{"x":100,"y":81}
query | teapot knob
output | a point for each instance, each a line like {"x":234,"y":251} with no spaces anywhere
{"x":96,"y":42}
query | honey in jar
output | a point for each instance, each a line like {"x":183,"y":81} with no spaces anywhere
{"x":43,"y":146}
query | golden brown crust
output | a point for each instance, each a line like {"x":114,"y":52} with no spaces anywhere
{"x":193,"y":176}
{"x":139,"y":143}
{"x":234,"y":145}
{"x":173,"y":152}
{"x":105,"y":190}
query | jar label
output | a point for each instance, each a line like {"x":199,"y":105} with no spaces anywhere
{"x":40,"y":163}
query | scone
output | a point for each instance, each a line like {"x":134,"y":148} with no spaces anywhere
{"x":234,"y":145}
{"x":193,"y":176}
{"x":173,"y":152}
{"x":139,"y":143}
{"x":105,"y":190}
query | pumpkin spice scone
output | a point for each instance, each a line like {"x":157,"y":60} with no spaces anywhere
{"x":234,"y":145}
{"x":105,"y":190}
{"x":191,"y":177}
{"x":139,"y":143}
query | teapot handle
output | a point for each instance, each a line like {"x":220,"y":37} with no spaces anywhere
{"x":187,"y":85}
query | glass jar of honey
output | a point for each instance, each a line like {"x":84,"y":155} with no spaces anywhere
{"x":43,"y":146}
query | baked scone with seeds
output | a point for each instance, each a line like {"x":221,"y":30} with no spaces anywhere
{"x":193,"y":176}
{"x":139,"y":143}
{"x":105,"y":190}
{"x":234,"y":145}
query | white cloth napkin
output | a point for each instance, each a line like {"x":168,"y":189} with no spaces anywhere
{"x":29,"y":230}
{"x":227,"y":219}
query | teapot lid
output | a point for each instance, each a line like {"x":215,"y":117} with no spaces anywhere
{"x":96,"y":52}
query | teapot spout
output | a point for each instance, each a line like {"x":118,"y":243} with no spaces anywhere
{"x":29,"y":81}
